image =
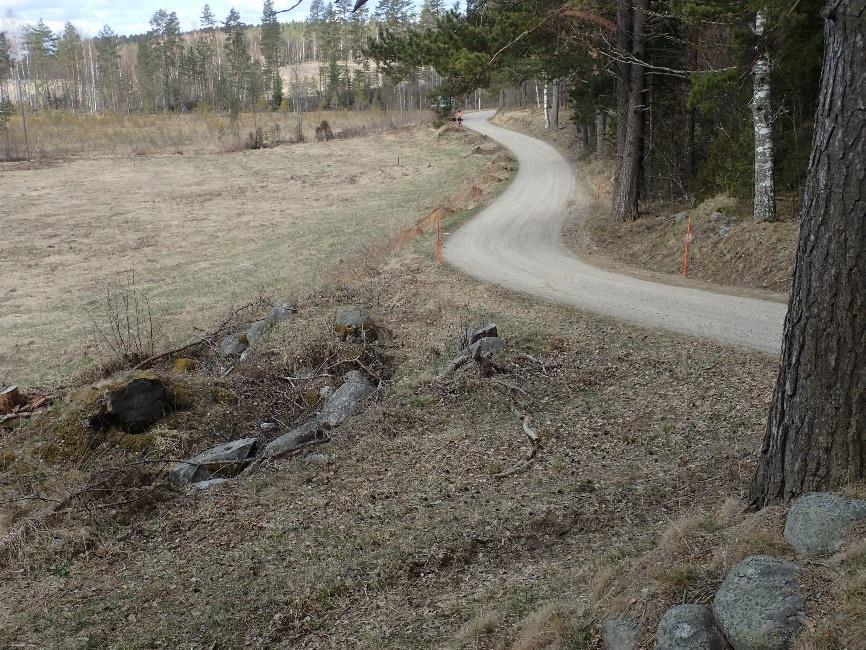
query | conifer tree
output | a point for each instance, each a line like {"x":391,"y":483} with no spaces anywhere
{"x":108,"y":65}
{"x":69,"y":55}
{"x":271,"y":42}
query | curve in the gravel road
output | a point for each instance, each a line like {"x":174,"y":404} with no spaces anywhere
{"x":517,"y":242}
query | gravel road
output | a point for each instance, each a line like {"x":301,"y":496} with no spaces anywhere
{"x":517,"y":242}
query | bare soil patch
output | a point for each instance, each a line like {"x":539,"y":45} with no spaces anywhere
{"x":198,"y":232}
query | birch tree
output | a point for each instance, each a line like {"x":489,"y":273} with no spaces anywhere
{"x":765,"y":193}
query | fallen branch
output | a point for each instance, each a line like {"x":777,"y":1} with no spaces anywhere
{"x":534,"y":441}
{"x":526,"y":355}
{"x":452,"y":367}
{"x":15,"y":416}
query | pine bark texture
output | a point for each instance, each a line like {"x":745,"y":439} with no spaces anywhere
{"x":629,"y":149}
{"x":600,"y":133}
{"x":765,"y":188}
{"x":816,"y":433}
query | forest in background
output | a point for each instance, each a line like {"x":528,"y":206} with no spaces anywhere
{"x":225,"y":65}
{"x":690,"y":97}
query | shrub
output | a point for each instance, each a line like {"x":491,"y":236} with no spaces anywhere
{"x":324,"y":132}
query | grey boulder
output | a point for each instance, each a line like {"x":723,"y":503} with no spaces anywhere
{"x":817,"y":522}
{"x":292,"y":440}
{"x":234,"y":345}
{"x":355,"y":325}
{"x":136,"y":404}
{"x":281,"y":312}
{"x":688,"y":627}
{"x":213,"y":482}
{"x":758,"y":605}
{"x":486,"y":347}
{"x":344,"y":402}
{"x":620,"y":633}
{"x":257,"y":330}
{"x":470,"y":336}
{"x":222,"y":461}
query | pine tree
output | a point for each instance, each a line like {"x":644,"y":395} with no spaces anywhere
{"x":41,"y":45}
{"x":69,"y":55}
{"x":5,"y":63}
{"x":165,"y":34}
{"x":212,"y":69}
{"x":207,"y":20}
{"x":108,"y":65}
{"x":395,"y":15}
{"x":271,"y":43}
{"x":430,"y":12}
{"x":148,"y":65}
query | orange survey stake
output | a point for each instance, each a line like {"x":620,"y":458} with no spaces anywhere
{"x":438,"y":237}
{"x":688,"y":240}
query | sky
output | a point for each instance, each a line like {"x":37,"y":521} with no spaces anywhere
{"x":127,"y":17}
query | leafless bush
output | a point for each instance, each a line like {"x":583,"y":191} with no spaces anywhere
{"x":351,"y":132}
{"x":124,"y":324}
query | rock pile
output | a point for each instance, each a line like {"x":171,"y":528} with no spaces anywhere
{"x":759,"y":605}
{"x":237,"y":343}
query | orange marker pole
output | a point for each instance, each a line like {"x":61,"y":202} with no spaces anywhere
{"x":438,"y":238}
{"x":688,"y":240}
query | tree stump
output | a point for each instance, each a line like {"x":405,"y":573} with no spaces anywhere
{"x":10,"y":399}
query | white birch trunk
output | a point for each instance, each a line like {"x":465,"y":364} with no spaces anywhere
{"x":765,"y":191}
{"x":537,"y":95}
{"x":546,"y":107}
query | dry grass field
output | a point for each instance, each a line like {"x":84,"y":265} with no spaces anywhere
{"x":62,"y":135}
{"x":199,"y":232}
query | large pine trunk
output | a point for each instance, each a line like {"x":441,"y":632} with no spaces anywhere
{"x":629,"y":150}
{"x":816,"y":434}
{"x":624,"y":13}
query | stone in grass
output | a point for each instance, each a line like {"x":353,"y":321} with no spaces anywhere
{"x":292,"y":440}
{"x":817,"y":522}
{"x":759,"y":604}
{"x":212,"y":482}
{"x":222,"y":461}
{"x":355,"y":324}
{"x":688,"y":627}
{"x":470,"y":336}
{"x":620,"y":633}
{"x":487,"y":346}
{"x":257,"y":330}
{"x":680,"y":217}
{"x":133,"y":401}
{"x":234,"y":345}
{"x":344,"y":402}
{"x":281,"y":312}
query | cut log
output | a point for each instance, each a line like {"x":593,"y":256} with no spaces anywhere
{"x":10,"y":399}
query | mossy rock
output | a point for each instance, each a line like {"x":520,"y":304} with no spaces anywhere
{"x":133,"y":401}
{"x":183,"y":365}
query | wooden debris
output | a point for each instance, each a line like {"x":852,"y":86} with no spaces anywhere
{"x":10,"y":399}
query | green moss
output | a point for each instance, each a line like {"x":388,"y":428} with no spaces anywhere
{"x":69,"y":438}
{"x":222,"y":395}
{"x":182,"y":396}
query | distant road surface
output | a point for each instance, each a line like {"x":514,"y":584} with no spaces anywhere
{"x":517,"y":242}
